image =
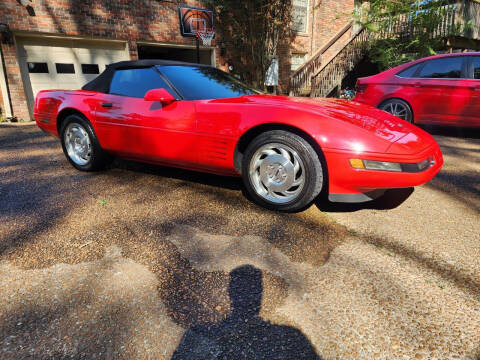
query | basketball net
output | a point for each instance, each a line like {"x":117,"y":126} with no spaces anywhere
{"x":206,"y":36}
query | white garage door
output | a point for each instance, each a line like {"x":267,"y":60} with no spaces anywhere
{"x":64,"y":63}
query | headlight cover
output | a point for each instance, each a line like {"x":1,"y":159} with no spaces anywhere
{"x":382,"y":165}
{"x":392,"y":166}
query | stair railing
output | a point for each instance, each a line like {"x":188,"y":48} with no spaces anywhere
{"x":300,"y":82}
{"x":331,"y":74}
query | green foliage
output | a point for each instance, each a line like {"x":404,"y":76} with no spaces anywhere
{"x":251,"y":31}
{"x":404,"y":30}
{"x":102,"y":202}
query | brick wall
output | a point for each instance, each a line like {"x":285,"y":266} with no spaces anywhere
{"x":331,"y":16}
{"x":15,"y":83}
{"x":130,"y":20}
{"x":326,"y":19}
{"x":119,"y":19}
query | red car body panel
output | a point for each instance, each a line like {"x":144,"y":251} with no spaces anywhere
{"x":433,"y":101}
{"x":145,"y":130}
{"x":50,"y":103}
{"x":203,"y":134}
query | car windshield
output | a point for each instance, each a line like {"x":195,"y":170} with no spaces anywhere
{"x":203,"y":82}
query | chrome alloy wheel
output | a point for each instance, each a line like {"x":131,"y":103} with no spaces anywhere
{"x":277,"y":173}
{"x":77,"y":144}
{"x":397,"y":109}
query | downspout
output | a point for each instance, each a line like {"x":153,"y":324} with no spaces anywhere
{"x":313,"y":27}
{"x":4,"y":87}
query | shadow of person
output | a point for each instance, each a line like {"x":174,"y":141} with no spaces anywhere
{"x":244,"y":334}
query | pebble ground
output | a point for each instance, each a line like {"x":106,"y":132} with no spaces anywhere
{"x":137,"y":262}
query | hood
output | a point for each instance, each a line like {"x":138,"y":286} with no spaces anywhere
{"x":355,"y":119}
{"x":344,"y":125}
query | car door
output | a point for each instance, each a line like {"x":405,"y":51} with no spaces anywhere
{"x":472,"y":112}
{"x":129,"y":126}
{"x":442,"y":91}
{"x":216,"y":96}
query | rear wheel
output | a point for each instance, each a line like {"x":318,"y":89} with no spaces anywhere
{"x":80,"y":144}
{"x":398,"y":108}
{"x":281,"y":171}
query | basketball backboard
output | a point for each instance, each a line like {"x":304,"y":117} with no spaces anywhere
{"x":194,"y":19}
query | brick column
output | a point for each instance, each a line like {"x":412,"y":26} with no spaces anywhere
{"x":15,"y":83}
{"x":132,"y":49}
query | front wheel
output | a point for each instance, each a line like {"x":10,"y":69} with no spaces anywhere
{"x":80,"y":144}
{"x":281,"y":171}
{"x":398,"y":108}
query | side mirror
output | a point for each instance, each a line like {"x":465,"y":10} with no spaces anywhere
{"x":161,"y":95}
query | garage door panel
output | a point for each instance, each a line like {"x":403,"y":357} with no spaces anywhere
{"x":87,"y":78}
{"x":98,"y":59}
{"x":97,"y":56}
{"x":64,"y":51}
{"x":54,"y":53}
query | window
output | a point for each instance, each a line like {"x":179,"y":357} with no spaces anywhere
{"x":37,"y":68}
{"x":300,"y":15}
{"x":409,"y":72}
{"x":202,"y":82}
{"x":446,"y":68}
{"x":476,"y":68}
{"x":90,"y":69}
{"x":65,"y":68}
{"x":136,"y":82}
{"x":297,"y":61}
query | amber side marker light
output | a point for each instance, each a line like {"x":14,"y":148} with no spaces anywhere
{"x":357,"y":164}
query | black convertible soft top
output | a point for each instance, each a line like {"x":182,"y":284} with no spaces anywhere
{"x":102,"y":82}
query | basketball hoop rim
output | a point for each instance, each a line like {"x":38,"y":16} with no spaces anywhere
{"x":209,"y":32}
{"x":206,"y":36}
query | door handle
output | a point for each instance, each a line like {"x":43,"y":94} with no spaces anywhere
{"x":417,"y":84}
{"x":107,"y":105}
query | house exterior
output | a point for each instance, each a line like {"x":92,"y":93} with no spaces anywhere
{"x":64,"y":44}
{"x":342,"y":59}
{"x":317,"y":24}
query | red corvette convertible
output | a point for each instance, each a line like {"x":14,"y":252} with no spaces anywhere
{"x":442,"y":89}
{"x":287,"y":150}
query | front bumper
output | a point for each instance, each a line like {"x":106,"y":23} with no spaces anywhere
{"x":356,"y":198}
{"x":347,"y":184}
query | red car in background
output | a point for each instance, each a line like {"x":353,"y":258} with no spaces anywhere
{"x":441,"y":90}
{"x":287,"y":150}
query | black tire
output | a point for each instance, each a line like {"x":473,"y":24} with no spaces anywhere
{"x":404,"y":111}
{"x":298,"y":151}
{"x":98,"y":159}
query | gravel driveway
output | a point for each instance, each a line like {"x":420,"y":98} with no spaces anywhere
{"x":148,"y":262}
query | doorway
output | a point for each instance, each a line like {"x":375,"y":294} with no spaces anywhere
{"x":185,"y":54}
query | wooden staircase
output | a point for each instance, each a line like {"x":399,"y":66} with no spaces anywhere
{"x":329,"y":77}
{"x":319,"y":76}
{"x":301,"y":79}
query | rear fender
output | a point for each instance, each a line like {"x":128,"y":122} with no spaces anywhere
{"x":52,"y":106}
